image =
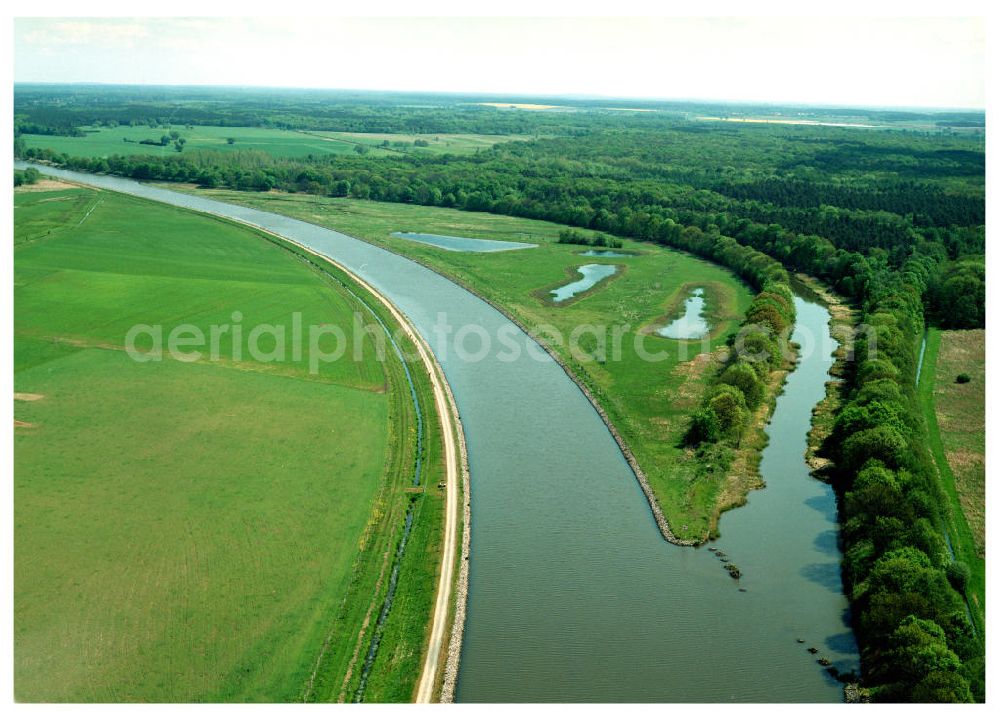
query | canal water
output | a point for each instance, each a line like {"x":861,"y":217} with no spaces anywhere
{"x":573,"y":593}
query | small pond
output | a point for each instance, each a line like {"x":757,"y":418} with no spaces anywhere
{"x":607,"y":254}
{"x":460,"y":243}
{"x":693,"y":324}
{"x":592,"y":273}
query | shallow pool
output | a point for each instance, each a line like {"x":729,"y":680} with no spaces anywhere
{"x":592,"y":273}
{"x":460,"y":243}
{"x":693,"y":324}
{"x":607,"y":254}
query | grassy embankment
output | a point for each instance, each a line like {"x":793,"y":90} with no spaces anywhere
{"x":956,"y":422}
{"x":125,"y":141}
{"x":198,"y":531}
{"x":650,"y":403}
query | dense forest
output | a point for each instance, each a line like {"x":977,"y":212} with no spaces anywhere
{"x":893,"y":219}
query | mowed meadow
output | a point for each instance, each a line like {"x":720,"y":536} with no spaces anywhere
{"x":961,"y":413}
{"x":649,"y":402}
{"x":956,"y":419}
{"x":193,"y":531}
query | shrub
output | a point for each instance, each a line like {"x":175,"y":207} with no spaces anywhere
{"x":767,"y":314}
{"x":942,"y":686}
{"x":875,"y":369}
{"x":755,"y":346}
{"x":27,"y":177}
{"x":730,"y":408}
{"x":881,"y":443}
{"x":742,"y":376}
{"x":704,"y":428}
{"x":857,"y":417}
{"x":958,"y":575}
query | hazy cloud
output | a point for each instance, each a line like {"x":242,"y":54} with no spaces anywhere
{"x":873,"y":61}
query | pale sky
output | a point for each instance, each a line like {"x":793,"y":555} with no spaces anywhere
{"x":867,"y":61}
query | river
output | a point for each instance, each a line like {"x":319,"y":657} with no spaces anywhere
{"x":573,"y":593}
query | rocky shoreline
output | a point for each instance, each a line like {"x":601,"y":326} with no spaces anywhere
{"x":462,"y":584}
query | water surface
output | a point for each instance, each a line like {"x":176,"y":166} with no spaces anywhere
{"x":605,"y":253}
{"x":786,"y":538}
{"x":692,"y":324}
{"x":460,"y":243}
{"x":573,"y":593}
{"x":591,"y":274}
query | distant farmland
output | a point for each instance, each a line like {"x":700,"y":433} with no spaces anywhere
{"x":127,"y":140}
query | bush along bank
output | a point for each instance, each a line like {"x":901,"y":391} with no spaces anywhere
{"x":916,"y":637}
{"x":740,"y":387}
{"x":596,"y":240}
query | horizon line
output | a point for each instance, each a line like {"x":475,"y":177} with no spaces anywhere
{"x":513,"y":95}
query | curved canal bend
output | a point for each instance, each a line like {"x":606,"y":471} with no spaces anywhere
{"x":573,"y":593}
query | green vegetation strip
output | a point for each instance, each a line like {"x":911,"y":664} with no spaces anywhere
{"x":962,"y":541}
{"x":917,"y":641}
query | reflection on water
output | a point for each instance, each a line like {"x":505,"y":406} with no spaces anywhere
{"x":460,"y":243}
{"x":693,"y":324}
{"x":592,"y":273}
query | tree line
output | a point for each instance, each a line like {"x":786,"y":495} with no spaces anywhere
{"x":579,"y":238}
{"x":917,"y":641}
{"x":27,"y":177}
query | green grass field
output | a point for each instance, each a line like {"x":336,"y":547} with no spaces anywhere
{"x":956,"y":420}
{"x":212,"y":530}
{"x":437,"y":143}
{"x":650,"y":403}
{"x":125,"y":141}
